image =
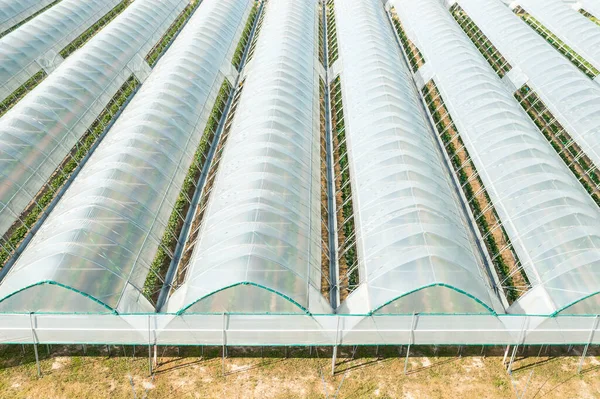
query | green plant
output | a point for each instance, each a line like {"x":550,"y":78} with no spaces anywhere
{"x":589,"y":16}
{"x":481,"y":41}
{"x":91,"y":31}
{"x":242,"y":44}
{"x":415,"y":57}
{"x":21,"y":92}
{"x":577,"y":60}
{"x":257,"y":32}
{"x":332,"y":45}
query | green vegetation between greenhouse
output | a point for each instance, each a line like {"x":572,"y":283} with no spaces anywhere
{"x":506,"y":263}
{"x":589,"y":16}
{"x":581,"y":166}
{"x":415,"y":58}
{"x":483,"y":44}
{"x":259,"y":25}
{"x":577,"y":60}
{"x":348,"y":259}
{"x":168,"y":38}
{"x":243,"y":43}
{"x":164,"y":254}
{"x":88,"y":34}
{"x":32,"y":16}
{"x":22,"y":91}
{"x":325,"y":262}
{"x":332,"y":45}
{"x":29,"y":217}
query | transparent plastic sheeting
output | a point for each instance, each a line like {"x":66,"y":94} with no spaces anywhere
{"x":573,"y":28}
{"x":102,"y":237}
{"x":297,"y":330}
{"x":259,"y":248}
{"x":552,"y":222}
{"x":571,"y":97}
{"x":411,"y":232}
{"x":591,"y":6}
{"x":14,"y":11}
{"x":36,"y":45}
{"x":38,"y":133}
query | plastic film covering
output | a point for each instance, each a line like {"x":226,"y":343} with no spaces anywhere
{"x":12,"y":12}
{"x":413,"y":246}
{"x":258,"y":248}
{"x":37,"y":134}
{"x":574,"y":29}
{"x":102,"y":236}
{"x":36,"y":45}
{"x":591,"y":6}
{"x":551,"y":221}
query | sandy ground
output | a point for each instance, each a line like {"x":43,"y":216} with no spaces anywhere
{"x":67,"y":373}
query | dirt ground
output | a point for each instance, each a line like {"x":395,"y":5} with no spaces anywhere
{"x":68,"y":373}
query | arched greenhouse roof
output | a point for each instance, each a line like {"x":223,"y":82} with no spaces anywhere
{"x":36,"y":46}
{"x":104,"y":233}
{"x":13,"y":12}
{"x":552,"y":222}
{"x":40,"y":131}
{"x":416,"y":252}
{"x":260,"y":234}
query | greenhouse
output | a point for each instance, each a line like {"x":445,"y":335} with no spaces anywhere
{"x":299,"y":173}
{"x":47,"y":134}
{"x":35,"y":46}
{"x":15,"y":13}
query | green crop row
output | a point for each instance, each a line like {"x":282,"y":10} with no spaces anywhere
{"x":349,"y":258}
{"x":88,"y":34}
{"x":242,"y":44}
{"x":481,"y":41}
{"x":553,"y":130}
{"x":32,"y":16}
{"x":169,"y":36}
{"x":558,"y":44}
{"x":414,"y":54}
{"x":325,"y":280}
{"x":589,"y":16}
{"x":430,"y":92}
{"x":321,"y":41}
{"x":257,"y":32}
{"x":21,"y":92}
{"x":162,"y":259}
{"x":31,"y":215}
{"x":332,"y":44}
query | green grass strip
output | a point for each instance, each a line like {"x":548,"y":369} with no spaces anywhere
{"x":481,"y":41}
{"x":30,"y":216}
{"x":88,"y":34}
{"x":243,"y":43}
{"x":162,"y":259}
{"x":23,"y":22}
{"x":558,"y":44}
{"x":589,"y":16}
{"x":158,"y":50}
{"x":21,"y":92}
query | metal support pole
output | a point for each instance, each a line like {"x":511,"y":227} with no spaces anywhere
{"x":155,"y":356}
{"x":334,"y":357}
{"x":224,"y":344}
{"x":108,"y":350}
{"x":354,"y":348}
{"x":48,"y":349}
{"x":149,"y":348}
{"x":377,"y":351}
{"x":512,"y":358}
{"x":411,"y":340}
{"x":590,"y":338}
{"x":23,"y":349}
{"x":37,"y":358}
{"x":505,"y":355}
{"x":459,"y":353}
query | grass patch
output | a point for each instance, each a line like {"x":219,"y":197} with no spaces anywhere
{"x":332,"y":44}
{"x":415,"y":58}
{"x":243,"y":43}
{"x":22,"y":91}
